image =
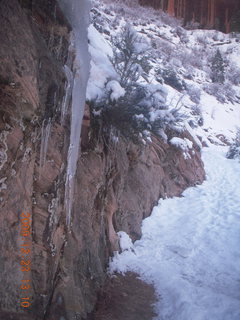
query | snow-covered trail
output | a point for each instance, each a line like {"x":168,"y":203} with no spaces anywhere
{"x":190,"y":248}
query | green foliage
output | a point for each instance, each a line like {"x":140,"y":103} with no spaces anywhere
{"x":218,"y":66}
{"x":171,"y":78}
{"x":130,"y":114}
{"x":234,"y":150}
{"x":130,"y":56}
{"x":121,"y":114}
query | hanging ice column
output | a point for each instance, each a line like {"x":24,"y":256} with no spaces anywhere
{"x":45,"y":134}
{"x":77,"y":13}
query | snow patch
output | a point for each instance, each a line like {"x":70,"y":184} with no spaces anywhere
{"x":101,"y":67}
{"x":116,"y":90}
{"x":125,"y":241}
{"x":183,"y":144}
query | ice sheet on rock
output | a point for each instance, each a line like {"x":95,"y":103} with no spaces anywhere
{"x":68,"y":93}
{"x":45,"y":134}
{"x":190,"y":247}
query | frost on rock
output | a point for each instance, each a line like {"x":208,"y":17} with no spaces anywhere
{"x":52,"y":207}
{"x":77,"y":13}
{"x":3,"y":148}
{"x":27,"y":155}
{"x":3,"y":185}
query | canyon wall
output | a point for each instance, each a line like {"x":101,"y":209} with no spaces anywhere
{"x":115,"y":186}
{"x":208,"y":13}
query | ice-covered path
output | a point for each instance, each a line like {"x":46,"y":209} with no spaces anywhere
{"x":190,"y":248}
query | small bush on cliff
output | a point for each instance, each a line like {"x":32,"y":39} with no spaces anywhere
{"x":140,"y":110}
{"x":129,"y":103}
{"x":234,"y":150}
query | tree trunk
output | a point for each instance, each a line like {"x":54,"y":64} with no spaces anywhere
{"x":170,"y":9}
{"x":227,"y":21}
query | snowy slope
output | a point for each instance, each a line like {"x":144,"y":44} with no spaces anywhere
{"x":190,"y":247}
{"x":213,"y":110}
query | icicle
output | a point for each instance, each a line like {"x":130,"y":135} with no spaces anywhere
{"x":68,"y":93}
{"x":46,"y":130}
{"x":77,"y":13}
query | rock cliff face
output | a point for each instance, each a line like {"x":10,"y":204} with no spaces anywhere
{"x":115,"y":187}
{"x":209,"y":13}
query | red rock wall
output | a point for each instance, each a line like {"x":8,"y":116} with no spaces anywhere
{"x":209,"y":13}
{"x":116,"y":187}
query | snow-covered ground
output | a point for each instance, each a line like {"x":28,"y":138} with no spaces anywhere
{"x":190,"y":247}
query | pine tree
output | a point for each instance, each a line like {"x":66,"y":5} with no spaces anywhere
{"x":234,"y":150}
{"x":218,"y":68}
{"x":130,"y":56}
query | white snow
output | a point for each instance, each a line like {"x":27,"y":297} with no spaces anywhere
{"x":220,"y":118}
{"x":98,"y":42}
{"x":116,"y":90}
{"x":125,"y":241}
{"x":101,"y":67}
{"x":190,"y":247}
{"x":183,"y":144}
{"x":194,"y":135}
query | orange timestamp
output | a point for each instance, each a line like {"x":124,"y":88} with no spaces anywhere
{"x":25,"y":259}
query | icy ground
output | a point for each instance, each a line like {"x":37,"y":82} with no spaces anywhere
{"x":190,"y":247}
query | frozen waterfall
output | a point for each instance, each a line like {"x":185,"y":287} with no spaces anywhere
{"x":77,"y":13}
